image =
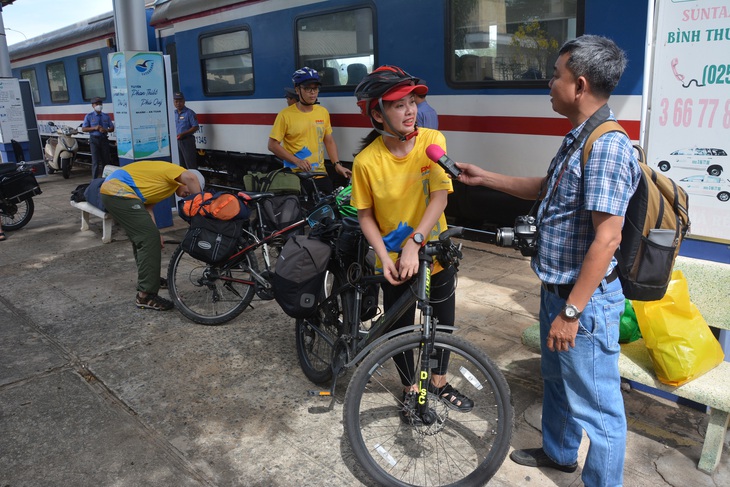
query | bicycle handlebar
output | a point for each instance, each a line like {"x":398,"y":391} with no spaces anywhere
{"x":446,"y":252}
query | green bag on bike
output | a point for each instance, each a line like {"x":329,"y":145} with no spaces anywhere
{"x":278,"y":181}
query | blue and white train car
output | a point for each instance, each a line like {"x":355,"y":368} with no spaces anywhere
{"x":487,"y":64}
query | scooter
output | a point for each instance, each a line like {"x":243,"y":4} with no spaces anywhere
{"x":17,"y":188}
{"x":61,"y":151}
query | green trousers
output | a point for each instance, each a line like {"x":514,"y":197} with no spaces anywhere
{"x":131,"y":214}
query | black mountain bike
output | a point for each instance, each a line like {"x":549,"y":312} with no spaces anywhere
{"x":426,"y":443}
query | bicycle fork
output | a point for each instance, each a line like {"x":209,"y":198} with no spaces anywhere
{"x":428,"y":338}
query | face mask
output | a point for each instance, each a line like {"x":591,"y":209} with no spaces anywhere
{"x":98,"y":107}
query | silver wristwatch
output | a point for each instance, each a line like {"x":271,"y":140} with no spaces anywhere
{"x":571,"y":312}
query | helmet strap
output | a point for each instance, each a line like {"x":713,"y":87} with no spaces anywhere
{"x":301,"y":99}
{"x":396,"y":134}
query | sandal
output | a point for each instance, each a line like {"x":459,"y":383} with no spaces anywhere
{"x":153,"y":301}
{"x":408,"y":408}
{"x":3,"y":236}
{"x":452,"y":397}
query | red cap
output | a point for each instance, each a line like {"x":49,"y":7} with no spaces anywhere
{"x":400,"y":91}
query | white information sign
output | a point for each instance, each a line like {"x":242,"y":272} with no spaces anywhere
{"x":688,"y":136}
{"x":12,"y":118}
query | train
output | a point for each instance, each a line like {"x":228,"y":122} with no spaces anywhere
{"x":487,"y":64}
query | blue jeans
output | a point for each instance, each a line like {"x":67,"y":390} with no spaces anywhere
{"x":582,"y":388}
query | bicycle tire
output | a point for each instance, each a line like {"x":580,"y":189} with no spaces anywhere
{"x":464,"y":449}
{"x":203,"y":298}
{"x":21,"y":217}
{"x":316,"y":336}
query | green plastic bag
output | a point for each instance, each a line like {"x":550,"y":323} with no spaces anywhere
{"x":629,"y":328}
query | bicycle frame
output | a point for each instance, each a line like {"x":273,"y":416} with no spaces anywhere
{"x":256,"y":240}
{"x":361,"y":346}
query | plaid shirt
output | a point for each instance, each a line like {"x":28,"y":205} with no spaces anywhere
{"x":565,"y":226}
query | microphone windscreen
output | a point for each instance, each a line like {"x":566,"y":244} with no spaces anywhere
{"x":434,"y":152}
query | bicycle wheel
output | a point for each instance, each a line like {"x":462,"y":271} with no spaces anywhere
{"x":316,"y":336}
{"x":201,"y":295}
{"x":457,"y":448}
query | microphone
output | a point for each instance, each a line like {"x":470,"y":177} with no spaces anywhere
{"x":437,"y":155}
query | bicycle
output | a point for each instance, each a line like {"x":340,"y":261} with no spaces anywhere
{"x":214,"y":294}
{"x":396,"y":443}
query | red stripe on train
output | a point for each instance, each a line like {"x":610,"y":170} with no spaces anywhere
{"x":451,"y":123}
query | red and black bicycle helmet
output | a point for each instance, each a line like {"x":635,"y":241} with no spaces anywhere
{"x":387,"y":83}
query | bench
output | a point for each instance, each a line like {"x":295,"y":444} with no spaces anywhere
{"x":707,"y":282}
{"x":87,"y":209}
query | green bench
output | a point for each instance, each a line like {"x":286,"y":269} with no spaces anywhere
{"x":708,"y":286}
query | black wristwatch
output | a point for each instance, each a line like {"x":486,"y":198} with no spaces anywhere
{"x":419,"y":239}
{"x":571,"y":312}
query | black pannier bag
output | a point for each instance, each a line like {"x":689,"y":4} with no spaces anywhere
{"x":300,"y":274}
{"x":210,"y":240}
{"x":278,"y":212}
{"x":349,"y":242}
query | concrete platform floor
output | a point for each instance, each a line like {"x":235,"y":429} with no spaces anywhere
{"x":95,"y":392}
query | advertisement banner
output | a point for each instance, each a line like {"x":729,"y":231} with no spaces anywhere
{"x":689,"y":118}
{"x":140,"y":110}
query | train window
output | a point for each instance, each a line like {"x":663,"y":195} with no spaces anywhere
{"x":29,"y":74}
{"x":227,"y":63}
{"x":505,"y":42}
{"x":57,"y":82}
{"x":339,"y":45}
{"x":92,"y":77}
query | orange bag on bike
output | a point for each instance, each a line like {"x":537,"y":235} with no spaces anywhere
{"x":220,"y":206}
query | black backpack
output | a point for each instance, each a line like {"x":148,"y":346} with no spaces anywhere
{"x":299,"y":275}
{"x":656,"y":221}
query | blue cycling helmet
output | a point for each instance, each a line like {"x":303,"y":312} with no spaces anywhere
{"x":305,"y":75}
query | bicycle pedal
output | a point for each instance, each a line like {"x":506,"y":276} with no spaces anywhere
{"x":319,"y":393}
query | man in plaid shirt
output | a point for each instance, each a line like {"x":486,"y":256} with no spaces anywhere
{"x":579,"y":223}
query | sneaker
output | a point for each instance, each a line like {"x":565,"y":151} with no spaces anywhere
{"x":408,"y":408}
{"x":153,"y":301}
{"x":536,"y":457}
{"x":163,"y":283}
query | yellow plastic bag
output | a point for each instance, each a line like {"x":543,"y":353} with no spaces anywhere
{"x":680,"y":343}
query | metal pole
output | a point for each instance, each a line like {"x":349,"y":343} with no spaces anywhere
{"x":5,"y":71}
{"x":130,"y":22}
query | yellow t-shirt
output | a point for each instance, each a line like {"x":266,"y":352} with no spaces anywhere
{"x":302,"y":134}
{"x":398,"y":189}
{"x":150,"y":181}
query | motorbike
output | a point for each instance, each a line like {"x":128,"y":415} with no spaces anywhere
{"x":17,"y":188}
{"x":60,"y":151}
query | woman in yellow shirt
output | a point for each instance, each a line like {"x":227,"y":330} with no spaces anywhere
{"x":400,"y":196}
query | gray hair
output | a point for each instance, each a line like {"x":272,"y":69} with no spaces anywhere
{"x":598,"y":59}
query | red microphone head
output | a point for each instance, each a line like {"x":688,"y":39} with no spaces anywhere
{"x":434,"y":152}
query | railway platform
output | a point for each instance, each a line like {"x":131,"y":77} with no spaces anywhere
{"x":95,"y":392}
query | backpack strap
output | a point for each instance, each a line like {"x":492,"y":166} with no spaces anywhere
{"x":602,"y":129}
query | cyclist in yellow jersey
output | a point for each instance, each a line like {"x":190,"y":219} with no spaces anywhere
{"x":302,"y":131}
{"x":400,"y":196}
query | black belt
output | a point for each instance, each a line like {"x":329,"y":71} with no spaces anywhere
{"x":563,"y":290}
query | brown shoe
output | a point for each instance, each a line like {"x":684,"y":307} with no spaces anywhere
{"x":153,"y":301}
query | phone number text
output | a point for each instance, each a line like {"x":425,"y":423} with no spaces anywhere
{"x":700,"y":113}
